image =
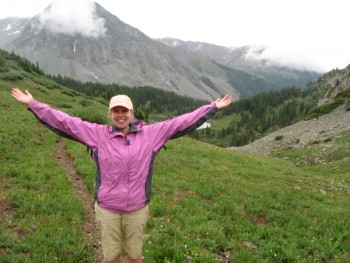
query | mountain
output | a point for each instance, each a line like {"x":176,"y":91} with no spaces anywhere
{"x":10,"y":29}
{"x":245,"y":59}
{"x":124,"y":55}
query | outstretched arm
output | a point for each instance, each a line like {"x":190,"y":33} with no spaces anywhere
{"x":221,"y":103}
{"x":185,"y":123}
{"x":25,"y":97}
{"x":60,"y":122}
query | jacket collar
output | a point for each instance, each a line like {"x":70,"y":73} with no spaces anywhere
{"x":135,"y":126}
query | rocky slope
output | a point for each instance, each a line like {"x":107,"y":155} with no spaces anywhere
{"x":301,"y":134}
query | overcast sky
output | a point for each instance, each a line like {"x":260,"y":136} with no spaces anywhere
{"x":309,"y":33}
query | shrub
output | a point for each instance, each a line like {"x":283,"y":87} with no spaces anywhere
{"x":278,"y":137}
{"x":85,"y":102}
{"x":3,"y":67}
{"x":102,"y":101}
{"x":11,"y":76}
{"x":90,"y":115}
{"x":43,"y":90}
{"x":70,"y":92}
{"x":324,"y":109}
{"x":26,"y":65}
{"x":344,"y":94}
{"x":63,"y":105}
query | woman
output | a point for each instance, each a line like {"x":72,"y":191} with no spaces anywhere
{"x":124,"y":153}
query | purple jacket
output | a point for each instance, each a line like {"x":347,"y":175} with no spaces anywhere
{"x":124,"y":162}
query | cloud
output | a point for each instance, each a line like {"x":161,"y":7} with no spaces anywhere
{"x":73,"y":17}
{"x":285,"y":56}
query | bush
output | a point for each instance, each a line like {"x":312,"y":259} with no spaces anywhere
{"x":70,"y":93}
{"x":3,"y":67}
{"x":63,"y":105}
{"x":11,"y":76}
{"x":42,"y":89}
{"x":278,"y":137}
{"x":85,"y":102}
{"x":324,"y":109}
{"x":91,"y":115}
{"x":26,"y":65}
{"x":344,"y":94}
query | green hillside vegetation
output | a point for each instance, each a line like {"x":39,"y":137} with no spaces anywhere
{"x":209,"y":204}
{"x":257,"y":116}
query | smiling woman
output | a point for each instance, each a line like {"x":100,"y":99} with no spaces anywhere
{"x":121,"y":112}
{"x":124,"y":153}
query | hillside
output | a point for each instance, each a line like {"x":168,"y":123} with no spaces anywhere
{"x":209,"y":204}
{"x":323,"y":124}
{"x":321,"y":131}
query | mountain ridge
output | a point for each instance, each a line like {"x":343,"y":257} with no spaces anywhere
{"x":241,"y":58}
{"x":127,"y":56}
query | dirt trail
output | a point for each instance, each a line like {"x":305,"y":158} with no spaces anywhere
{"x":66,"y":162}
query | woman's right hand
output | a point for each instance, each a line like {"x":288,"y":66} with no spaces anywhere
{"x":25,"y":97}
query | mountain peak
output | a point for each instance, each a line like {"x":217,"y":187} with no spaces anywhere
{"x":62,"y":18}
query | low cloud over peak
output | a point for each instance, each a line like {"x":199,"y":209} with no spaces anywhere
{"x":285,"y":56}
{"x":73,"y":17}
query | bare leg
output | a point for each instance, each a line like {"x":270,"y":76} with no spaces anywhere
{"x":137,"y":260}
{"x":116,"y":260}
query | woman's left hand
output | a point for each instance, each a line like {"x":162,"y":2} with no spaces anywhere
{"x":25,"y":97}
{"x":223,"y":102}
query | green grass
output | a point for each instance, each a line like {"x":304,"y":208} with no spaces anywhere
{"x":208,"y":203}
{"x":222,"y":123}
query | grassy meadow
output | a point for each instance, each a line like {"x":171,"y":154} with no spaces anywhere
{"x":209,"y":204}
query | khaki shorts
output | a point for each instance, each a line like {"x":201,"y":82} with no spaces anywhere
{"x":116,"y":228}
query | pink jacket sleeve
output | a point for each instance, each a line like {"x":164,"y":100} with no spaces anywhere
{"x":82,"y":131}
{"x":181,"y":125}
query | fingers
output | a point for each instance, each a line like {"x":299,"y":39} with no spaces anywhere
{"x":227,"y":98}
{"x":17,"y":93}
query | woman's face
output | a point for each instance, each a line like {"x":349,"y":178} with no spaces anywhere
{"x":121,"y":118}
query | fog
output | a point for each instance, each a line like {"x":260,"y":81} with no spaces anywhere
{"x":73,"y":17}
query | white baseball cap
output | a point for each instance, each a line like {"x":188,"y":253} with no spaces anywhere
{"x":121,"y":100}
